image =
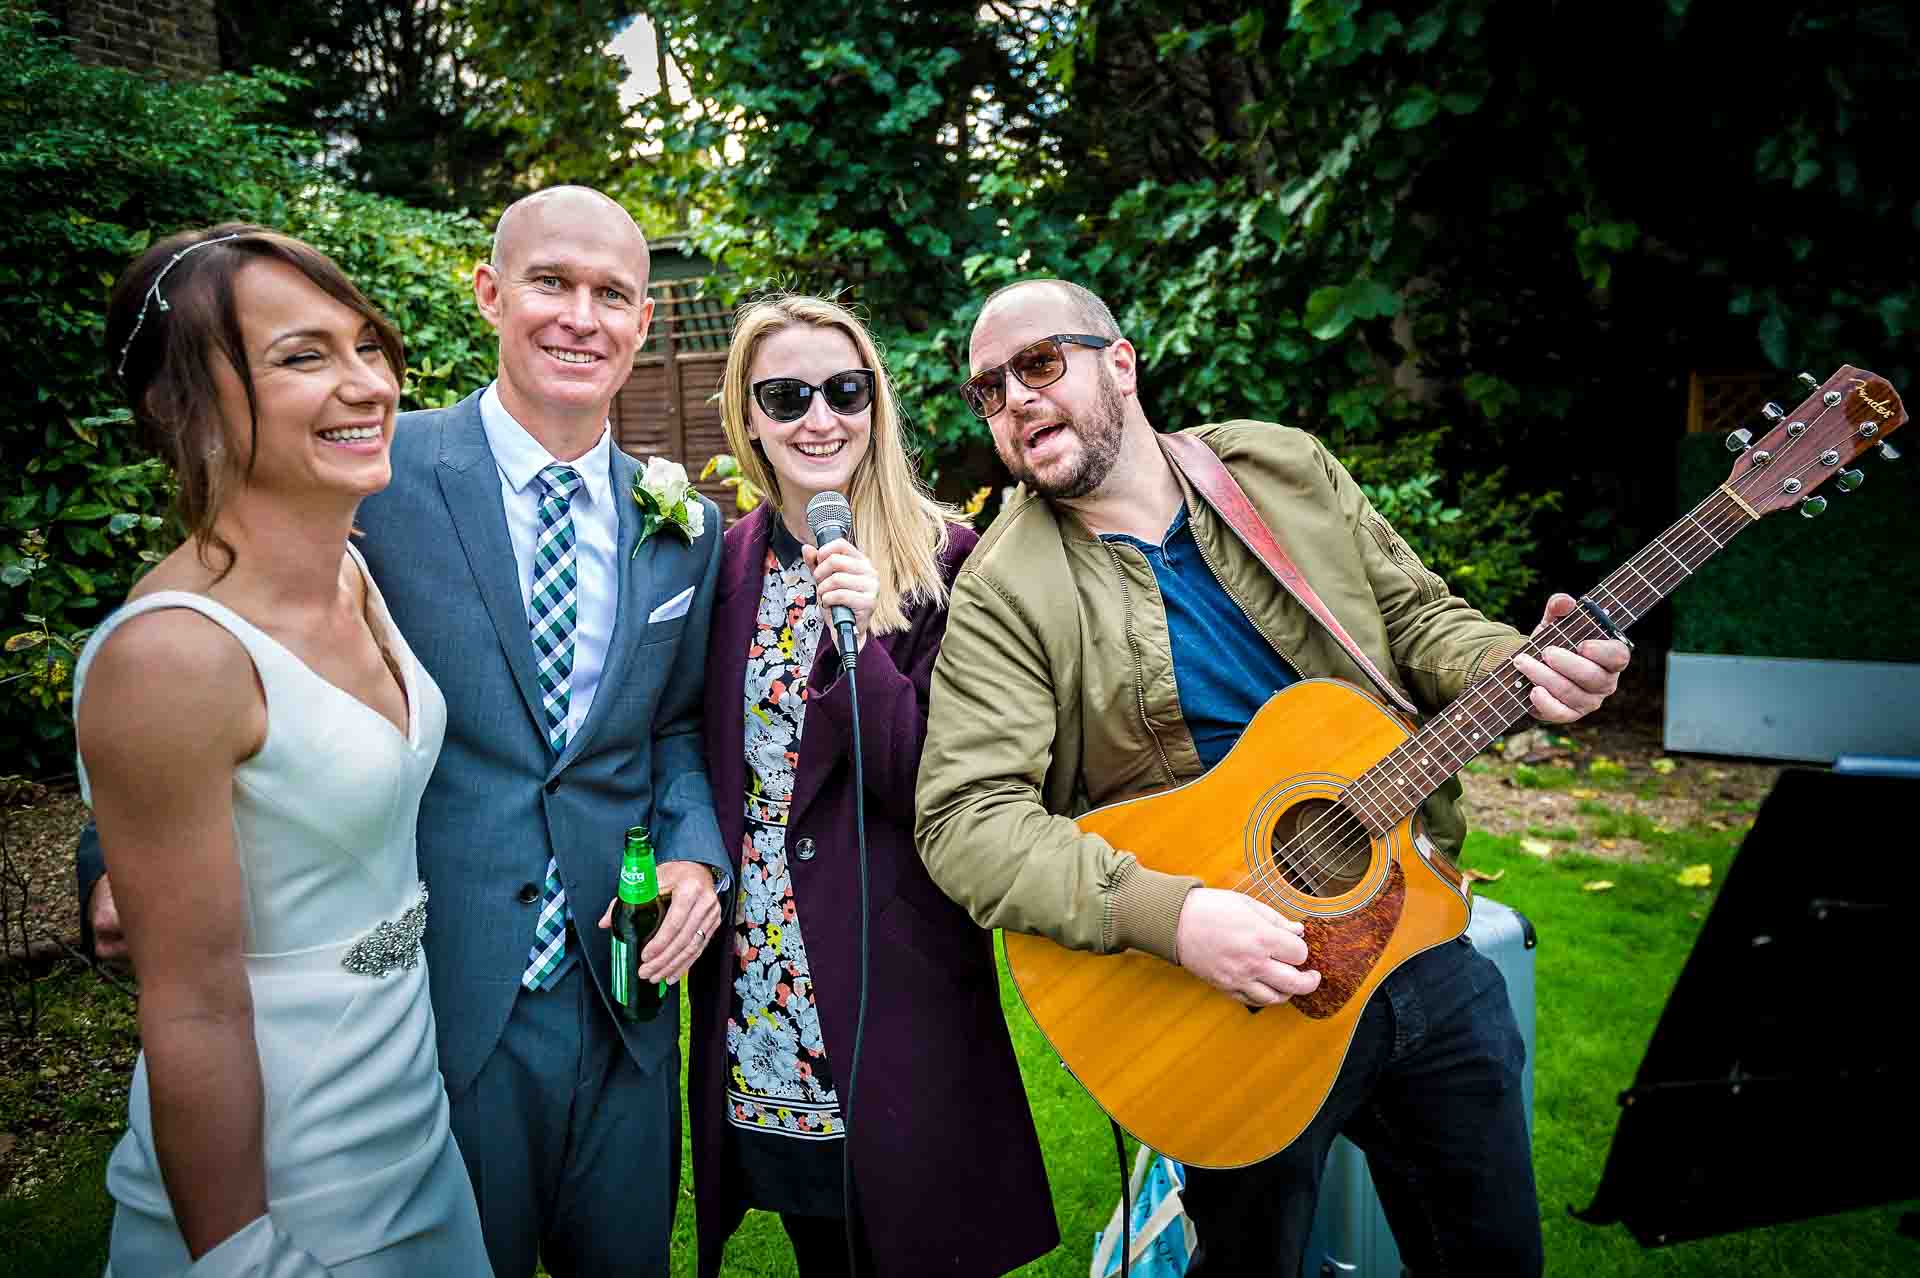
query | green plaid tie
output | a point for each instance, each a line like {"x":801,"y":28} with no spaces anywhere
{"x":553,"y":612}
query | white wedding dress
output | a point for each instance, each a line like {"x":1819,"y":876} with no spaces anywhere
{"x":363,"y":1177}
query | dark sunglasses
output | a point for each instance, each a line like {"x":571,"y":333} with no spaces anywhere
{"x":787,"y":399}
{"x":1041,"y":364}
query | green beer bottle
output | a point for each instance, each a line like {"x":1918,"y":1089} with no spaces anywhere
{"x":637,"y":915}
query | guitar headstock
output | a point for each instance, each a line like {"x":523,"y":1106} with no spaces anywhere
{"x":1850,"y":412}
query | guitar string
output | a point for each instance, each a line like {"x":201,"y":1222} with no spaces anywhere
{"x":1342,"y":823}
{"x":1340,"y":847}
{"x":1336,"y":835}
{"x":1467,"y":707}
{"x":1331,"y":837}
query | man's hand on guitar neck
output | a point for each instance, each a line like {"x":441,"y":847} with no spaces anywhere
{"x":1242,"y":947}
{"x":1570,"y":683}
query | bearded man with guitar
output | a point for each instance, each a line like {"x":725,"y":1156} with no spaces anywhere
{"x":1113,"y":635}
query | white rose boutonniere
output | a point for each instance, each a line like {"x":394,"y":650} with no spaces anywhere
{"x":666,"y":498}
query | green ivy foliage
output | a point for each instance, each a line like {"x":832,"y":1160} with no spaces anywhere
{"x":1838,"y":587}
{"x":1478,"y":245}
{"x":446,"y":104}
{"x":944,"y":153}
{"x":97,"y":163}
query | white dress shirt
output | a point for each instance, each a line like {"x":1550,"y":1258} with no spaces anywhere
{"x":596,"y":531}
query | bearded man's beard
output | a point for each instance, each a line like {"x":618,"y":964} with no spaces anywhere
{"x":1099,"y":432}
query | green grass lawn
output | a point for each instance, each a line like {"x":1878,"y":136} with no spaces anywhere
{"x":1606,"y":962}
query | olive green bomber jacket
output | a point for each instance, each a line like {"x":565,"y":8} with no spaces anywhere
{"x":1054,"y":691}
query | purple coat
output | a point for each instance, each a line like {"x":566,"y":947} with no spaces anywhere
{"x":946,"y":1162}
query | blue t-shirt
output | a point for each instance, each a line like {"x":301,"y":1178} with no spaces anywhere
{"x":1223,"y":667}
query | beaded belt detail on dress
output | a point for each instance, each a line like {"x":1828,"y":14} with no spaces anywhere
{"x":390,"y":945}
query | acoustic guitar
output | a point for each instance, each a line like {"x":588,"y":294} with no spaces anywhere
{"x":1314,"y":811}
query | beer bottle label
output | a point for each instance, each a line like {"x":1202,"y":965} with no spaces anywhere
{"x":639,"y":880}
{"x":622,"y":974}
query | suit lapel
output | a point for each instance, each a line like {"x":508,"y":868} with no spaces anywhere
{"x":633,"y":574}
{"x":470,"y":483}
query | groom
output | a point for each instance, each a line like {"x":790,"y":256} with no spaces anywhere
{"x":571,"y":658}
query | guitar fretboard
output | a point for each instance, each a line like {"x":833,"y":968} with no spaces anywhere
{"x":1391,"y":789}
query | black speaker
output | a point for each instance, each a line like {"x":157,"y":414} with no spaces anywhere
{"x":1779,"y":1083}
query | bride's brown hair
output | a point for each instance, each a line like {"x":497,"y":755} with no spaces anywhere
{"x":171,"y":314}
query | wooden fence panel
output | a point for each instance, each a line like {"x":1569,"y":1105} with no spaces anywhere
{"x":1718,"y":402}
{"x":670,"y":407}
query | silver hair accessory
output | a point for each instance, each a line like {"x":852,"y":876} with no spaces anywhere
{"x":153,"y":294}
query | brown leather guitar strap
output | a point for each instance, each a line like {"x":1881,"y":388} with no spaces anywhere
{"x":1209,"y":476}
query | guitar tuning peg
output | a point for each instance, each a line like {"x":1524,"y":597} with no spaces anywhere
{"x":1772,"y":412}
{"x":1808,"y":380}
{"x":1848,"y":480}
{"x":1740,"y":441}
{"x":1812,"y":506}
{"x":1888,"y":451}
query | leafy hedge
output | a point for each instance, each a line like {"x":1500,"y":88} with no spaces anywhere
{"x":98,"y":162}
{"x":1439,"y":233}
{"x":1840,"y":586}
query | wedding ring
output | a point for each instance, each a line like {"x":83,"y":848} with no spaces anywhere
{"x":699,"y":934}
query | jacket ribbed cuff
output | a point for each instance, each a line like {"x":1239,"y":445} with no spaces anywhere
{"x":1143,"y":912}
{"x":1495,"y":655}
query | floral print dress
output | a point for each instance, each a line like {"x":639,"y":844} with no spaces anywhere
{"x":780,"y":1087}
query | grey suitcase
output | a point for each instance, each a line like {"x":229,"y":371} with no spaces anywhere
{"x":1350,"y":1234}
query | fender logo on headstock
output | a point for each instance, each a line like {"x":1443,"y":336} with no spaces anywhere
{"x":1884,"y":407}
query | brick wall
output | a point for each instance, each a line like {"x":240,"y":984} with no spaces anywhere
{"x":176,"y":39}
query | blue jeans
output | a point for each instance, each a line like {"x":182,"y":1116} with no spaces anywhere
{"x":1431,"y":1092}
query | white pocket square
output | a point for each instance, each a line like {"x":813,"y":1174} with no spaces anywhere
{"x":674,"y":607}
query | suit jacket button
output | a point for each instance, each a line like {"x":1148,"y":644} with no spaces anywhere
{"x":529,"y":893}
{"x":804,"y":849}
{"x":553,"y":785}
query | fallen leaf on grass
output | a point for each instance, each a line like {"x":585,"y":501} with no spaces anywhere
{"x":1598,"y":885}
{"x":1581,"y":792}
{"x":1537,"y":847}
{"x":1663,"y":829}
{"x":1607,"y":843}
{"x":1481,"y":876}
{"x":1695,"y":876}
{"x":1663,"y":766}
{"x":1716,"y":825}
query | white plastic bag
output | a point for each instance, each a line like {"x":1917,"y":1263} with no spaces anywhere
{"x":1163,"y":1239}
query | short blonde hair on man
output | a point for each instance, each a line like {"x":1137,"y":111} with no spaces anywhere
{"x":896,"y":520}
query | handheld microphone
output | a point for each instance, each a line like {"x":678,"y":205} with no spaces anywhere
{"x":830,"y":518}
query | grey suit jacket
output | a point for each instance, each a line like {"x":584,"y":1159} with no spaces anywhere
{"x":500,"y":801}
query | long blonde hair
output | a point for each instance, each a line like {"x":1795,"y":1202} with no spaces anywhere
{"x":900,"y":525}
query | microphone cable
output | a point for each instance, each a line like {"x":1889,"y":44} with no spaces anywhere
{"x":829,"y":516}
{"x":860,"y":1022}
{"x":1126,"y":1199}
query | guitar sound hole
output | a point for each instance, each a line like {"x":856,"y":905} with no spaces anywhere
{"x":1320,"y":848}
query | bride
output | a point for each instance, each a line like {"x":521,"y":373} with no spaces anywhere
{"x":254,"y":737}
